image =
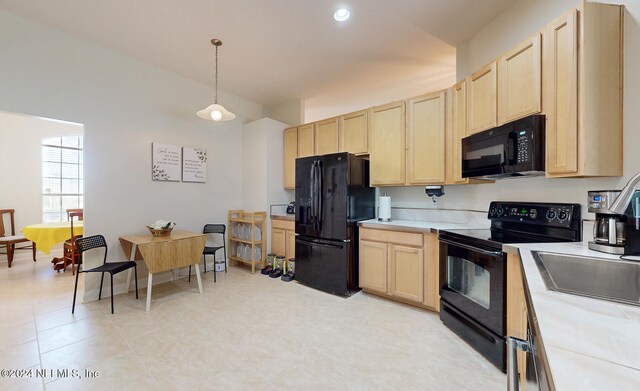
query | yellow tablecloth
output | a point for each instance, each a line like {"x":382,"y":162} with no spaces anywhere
{"x":47,"y":235}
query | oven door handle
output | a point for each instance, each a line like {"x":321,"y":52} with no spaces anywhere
{"x":472,"y":248}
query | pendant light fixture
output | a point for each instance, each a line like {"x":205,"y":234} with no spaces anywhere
{"x":215,"y":111}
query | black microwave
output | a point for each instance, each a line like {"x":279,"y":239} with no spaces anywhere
{"x":511,"y":150}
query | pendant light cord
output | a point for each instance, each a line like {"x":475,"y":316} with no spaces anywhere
{"x":216,"y":98}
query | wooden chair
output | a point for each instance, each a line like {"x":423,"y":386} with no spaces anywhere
{"x":70,"y":252}
{"x":10,"y":241}
{"x":93,"y":242}
{"x":69,"y":211}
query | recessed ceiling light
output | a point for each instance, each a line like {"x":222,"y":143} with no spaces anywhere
{"x":341,"y":15}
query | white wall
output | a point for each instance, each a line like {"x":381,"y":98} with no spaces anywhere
{"x":291,"y":112}
{"x":333,"y":104}
{"x":516,"y":23}
{"x":21,"y":162}
{"x":262,"y":157}
{"x":125,"y":105}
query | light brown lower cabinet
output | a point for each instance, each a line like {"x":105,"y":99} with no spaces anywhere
{"x":400,"y":265}
{"x":283,"y":239}
{"x":516,"y":311}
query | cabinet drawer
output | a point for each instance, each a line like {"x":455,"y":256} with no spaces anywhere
{"x":283,"y":224}
{"x":395,"y":237}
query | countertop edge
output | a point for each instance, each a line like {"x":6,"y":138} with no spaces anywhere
{"x":571,"y":350}
{"x":392,"y":227}
{"x":283,"y":217}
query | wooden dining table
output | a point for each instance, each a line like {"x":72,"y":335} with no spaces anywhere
{"x":47,"y":235}
{"x":179,"y":249}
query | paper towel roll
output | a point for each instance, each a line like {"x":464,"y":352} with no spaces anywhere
{"x":384,"y":213}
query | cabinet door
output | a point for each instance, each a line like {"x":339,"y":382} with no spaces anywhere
{"x":373,"y":266}
{"x":278,"y":241}
{"x":354,"y":133}
{"x":290,"y":243}
{"x":306,"y":140}
{"x":519,"y":81}
{"x":481,"y":99}
{"x":458,"y":129}
{"x":388,"y":152}
{"x":426,"y":132}
{"x":516,"y":309}
{"x":326,"y":135}
{"x":290,"y":155}
{"x":407,"y":272}
{"x":431,"y":271}
{"x":561,"y":94}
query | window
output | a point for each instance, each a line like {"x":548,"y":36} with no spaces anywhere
{"x":62,"y":179}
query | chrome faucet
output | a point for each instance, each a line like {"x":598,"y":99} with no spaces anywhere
{"x":621,"y":203}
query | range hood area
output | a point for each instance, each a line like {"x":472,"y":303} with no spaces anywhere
{"x":511,"y":150}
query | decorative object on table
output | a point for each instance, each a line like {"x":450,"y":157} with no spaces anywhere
{"x":215,"y":111}
{"x":277,"y":267}
{"x":161,"y":228}
{"x":166,"y":160}
{"x":289,"y":270}
{"x":10,"y":241}
{"x":194,"y":165}
{"x":271,"y":257}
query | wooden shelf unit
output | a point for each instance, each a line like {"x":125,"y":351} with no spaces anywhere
{"x":254,"y":219}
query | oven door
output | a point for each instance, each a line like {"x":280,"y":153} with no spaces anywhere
{"x":472,"y":279}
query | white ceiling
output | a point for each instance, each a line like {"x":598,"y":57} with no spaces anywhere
{"x":276,"y":50}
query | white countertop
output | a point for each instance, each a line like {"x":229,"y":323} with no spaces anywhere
{"x":420,"y":226}
{"x":591,"y":344}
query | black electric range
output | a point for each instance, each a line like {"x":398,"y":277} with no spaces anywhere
{"x":473,"y":273}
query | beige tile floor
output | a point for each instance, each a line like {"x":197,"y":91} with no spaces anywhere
{"x":245,"y":332}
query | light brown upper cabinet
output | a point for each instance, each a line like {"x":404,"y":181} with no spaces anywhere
{"x":306,"y":140}
{"x":388,"y":144}
{"x":582,"y":92}
{"x":456,"y":130}
{"x":519,"y":81}
{"x":481,"y":99}
{"x":456,"y":123}
{"x":326,"y":136}
{"x":354,"y":136}
{"x":426,"y":135}
{"x":290,"y":155}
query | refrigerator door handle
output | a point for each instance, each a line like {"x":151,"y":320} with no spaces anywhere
{"x":311,"y":191}
{"x":319,"y":194}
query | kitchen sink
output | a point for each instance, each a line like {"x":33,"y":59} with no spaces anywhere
{"x":607,"y":279}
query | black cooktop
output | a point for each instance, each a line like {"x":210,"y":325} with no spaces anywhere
{"x":494,"y":238}
{"x":519,"y":222}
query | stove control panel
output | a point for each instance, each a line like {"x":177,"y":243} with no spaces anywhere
{"x":545,"y":214}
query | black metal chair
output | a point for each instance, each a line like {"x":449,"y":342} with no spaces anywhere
{"x":213,"y":229}
{"x":93,"y":242}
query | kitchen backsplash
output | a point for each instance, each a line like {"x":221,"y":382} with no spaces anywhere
{"x":475,"y":218}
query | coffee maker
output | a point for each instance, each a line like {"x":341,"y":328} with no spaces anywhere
{"x":614,"y":233}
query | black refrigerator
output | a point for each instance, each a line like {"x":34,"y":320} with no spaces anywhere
{"x":332,"y":195}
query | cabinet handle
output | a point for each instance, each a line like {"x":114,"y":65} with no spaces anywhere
{"x":513,"y":345}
